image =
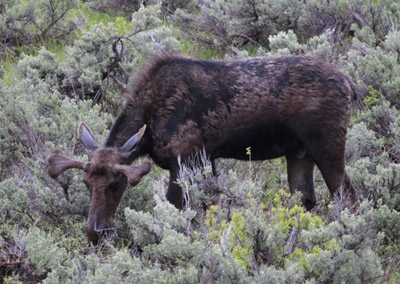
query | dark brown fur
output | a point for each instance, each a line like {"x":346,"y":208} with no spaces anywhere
{"x":293,"y":106}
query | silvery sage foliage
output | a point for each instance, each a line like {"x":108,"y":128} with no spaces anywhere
{"x":41,"y":108}
{"x":377,"y":66}
{"x":24,"y":24}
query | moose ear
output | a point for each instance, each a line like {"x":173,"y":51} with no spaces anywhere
{"x":57,"y":163}
{"x":133,"y":141}
{"x":134,"y":173}
{"x":86,"y":137}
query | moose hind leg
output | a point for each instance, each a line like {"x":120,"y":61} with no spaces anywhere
{"x":333,"y":171}
{"x":351,"y":190}
{"x":301,"y":177}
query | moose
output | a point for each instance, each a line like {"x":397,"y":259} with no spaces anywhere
{"x":293,"y":106}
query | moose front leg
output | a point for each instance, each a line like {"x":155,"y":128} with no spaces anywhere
{"x":214,"y":170}
{"x":301,"y":177}
{"x":174,"y":193}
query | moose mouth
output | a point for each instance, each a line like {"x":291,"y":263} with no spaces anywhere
{"x":97,"y":236}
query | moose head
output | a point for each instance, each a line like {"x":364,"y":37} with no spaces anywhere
{"x":106,"y":177}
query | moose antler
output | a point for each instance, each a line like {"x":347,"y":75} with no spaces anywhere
{"x":133,"y":173}
{"x":59,"y":163}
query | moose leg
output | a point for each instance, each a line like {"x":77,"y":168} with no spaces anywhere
{"x":333,"y":171}
{"x":174,"y":193}
{"x":214,"y":170}
{"x":351,"y":189}
{"x":301,"y":177}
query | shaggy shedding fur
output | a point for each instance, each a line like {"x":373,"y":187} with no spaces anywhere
{"x":278,"y":106}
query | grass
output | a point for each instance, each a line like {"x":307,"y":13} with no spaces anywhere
{"x":9,"y":71}
{"x":91,"y":17}
{"x":192,"y":49}
{"x":9,"y":63}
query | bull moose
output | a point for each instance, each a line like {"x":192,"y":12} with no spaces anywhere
{"x":293,"y":106}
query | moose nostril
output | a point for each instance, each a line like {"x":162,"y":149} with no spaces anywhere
{"x":96,"y":230}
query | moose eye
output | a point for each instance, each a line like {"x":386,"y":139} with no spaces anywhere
{"x":115,"y":186}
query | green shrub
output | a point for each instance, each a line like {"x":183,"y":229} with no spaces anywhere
{"x":284,"y":43}
{"x":376,"y":67}
{"x":27,"y":23}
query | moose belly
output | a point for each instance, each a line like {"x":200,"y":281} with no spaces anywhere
{"x":261,"y":143}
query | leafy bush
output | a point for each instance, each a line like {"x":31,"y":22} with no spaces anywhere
{"x":24,"y":23}
{"x":376,"y":67}
{"x":233,"y":24}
